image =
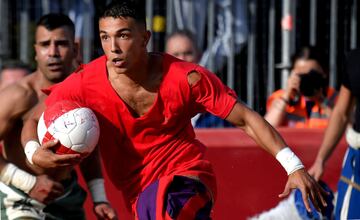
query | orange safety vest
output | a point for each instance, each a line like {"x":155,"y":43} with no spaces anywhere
{"x":297,"y":116}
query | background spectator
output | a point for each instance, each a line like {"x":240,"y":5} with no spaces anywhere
{"x":12,"y":71}
{"x":307,"y":100}
{"x":181,"y":45}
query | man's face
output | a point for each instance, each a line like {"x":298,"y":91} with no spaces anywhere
{"x":124,"y":43}
{"x":181,"y":47}
{"x":55,"y":52}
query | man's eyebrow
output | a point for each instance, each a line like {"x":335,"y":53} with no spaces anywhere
{"x":48,"y":41}
{"x":43,"y":41}
{"x":118,"y":31}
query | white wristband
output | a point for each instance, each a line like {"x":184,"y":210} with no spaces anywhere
{"x":97,"y":190}
{"x":30,"y":148}
{"x":12,"y":175}
{"x":289,"y":160}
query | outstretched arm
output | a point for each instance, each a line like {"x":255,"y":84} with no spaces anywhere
{"x":337,"y":124}
{"x":257,"y":128}
{"x":270,"y":140}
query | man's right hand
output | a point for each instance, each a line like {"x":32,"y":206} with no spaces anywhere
{"x":46,"y":190}
{"x":44,"y":157}
{"x":293,"y":86}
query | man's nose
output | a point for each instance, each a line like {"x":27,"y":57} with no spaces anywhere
{"x":114,"y":46}
{"x":53,"y":50}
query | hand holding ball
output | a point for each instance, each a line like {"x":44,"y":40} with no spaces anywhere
{"x":76,"y":128}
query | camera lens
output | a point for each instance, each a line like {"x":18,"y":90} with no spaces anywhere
{"x":311,"y":82}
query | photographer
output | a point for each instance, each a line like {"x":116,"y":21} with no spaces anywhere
{"x":307,"y":100}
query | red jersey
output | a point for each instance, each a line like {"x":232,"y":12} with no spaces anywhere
{"x":137,"y":151}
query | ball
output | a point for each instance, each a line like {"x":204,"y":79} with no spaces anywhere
{"x":76,"y":127}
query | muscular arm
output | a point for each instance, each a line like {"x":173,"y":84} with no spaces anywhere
{"x":29,"y":130}
{"x":338,"y":121}
{"x":91,"y":166}
{"x":91,"y":170}
{"x":270,"y":140}
{"x":257,"y":128}
{"x":15,"y":102}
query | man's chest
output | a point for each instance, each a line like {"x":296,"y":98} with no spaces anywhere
{"x":138,"y":101}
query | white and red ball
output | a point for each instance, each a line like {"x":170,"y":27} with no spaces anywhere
{"x":76,"y":128}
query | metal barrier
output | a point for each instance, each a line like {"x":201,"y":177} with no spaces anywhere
{"x":262,"y":66}
{"x":274,"y":30}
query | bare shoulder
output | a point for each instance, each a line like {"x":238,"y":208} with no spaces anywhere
{"x":19,"y":97}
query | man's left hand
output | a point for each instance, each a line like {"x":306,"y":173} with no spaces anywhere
{"x":104,"y":211}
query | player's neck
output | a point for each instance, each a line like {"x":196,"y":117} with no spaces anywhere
{"x":143,"y":74}
{"x":40,"y":81}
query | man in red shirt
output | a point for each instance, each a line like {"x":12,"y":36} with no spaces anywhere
{"x":144,"y":102}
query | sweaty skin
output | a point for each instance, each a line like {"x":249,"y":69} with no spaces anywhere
{"x":54,"y":55}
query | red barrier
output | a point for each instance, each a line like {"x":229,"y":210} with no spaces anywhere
{"x":249,"y":179}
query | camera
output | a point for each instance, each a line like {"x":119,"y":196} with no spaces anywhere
{"x":311,"y":82}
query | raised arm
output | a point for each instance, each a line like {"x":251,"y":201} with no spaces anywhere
{"x":270,"y":140}
{"x":339,"y":119}
{"x":276,"y":112}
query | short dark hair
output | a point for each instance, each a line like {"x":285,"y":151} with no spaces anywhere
{"x":313,"y":53}
{"x":55,"y":20}
{"x":125,"y":8}
{"x":15,"y":64}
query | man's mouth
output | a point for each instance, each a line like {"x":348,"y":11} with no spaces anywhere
{"x":54,"y":66}
{"x":118,"y":62}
